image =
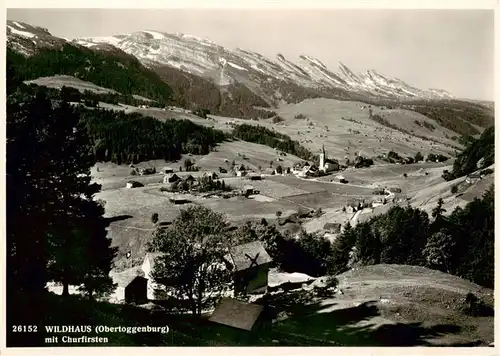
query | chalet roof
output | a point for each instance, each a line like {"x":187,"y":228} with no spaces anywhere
{"x":172,"y":177}
{"x":243,"y":255}
{"x":236,"y":314}
{"x":332,"y":226}
{"x":248,"y":187}
{"x":189,"y":177}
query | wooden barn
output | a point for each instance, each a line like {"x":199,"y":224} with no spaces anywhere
{"x":136,"y":291}
{"x":179,"y":200}
{"x":251,"y":267}
{"x":333,"y":228}
{"x":237,"y":314}
{"x":171,"y":178}
{"x":134,"y":184}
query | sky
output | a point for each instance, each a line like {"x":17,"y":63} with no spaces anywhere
{"x":445,"y":49}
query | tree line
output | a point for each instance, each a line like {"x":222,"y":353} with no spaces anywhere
{"x":131,"y":138}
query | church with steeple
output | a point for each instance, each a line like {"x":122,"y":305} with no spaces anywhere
{"x":327,"y":165}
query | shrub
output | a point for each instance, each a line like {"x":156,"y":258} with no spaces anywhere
{"x":454,"y":189}
{"x":300,"y":117}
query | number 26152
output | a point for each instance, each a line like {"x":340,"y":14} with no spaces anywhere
{"x":25,"y":328}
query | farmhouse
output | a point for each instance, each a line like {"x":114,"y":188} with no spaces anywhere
{"x":304,"y":169}
{"x":251,"y":267}
{"x":147,"y":171}
{"x":136,"y":291}
{"x":237,"y":314}
{"x":333,"y":228}
{"x":129,"y":287}
{"x":189,"y":179}
{"x":341,"y":179}
{"x":240,"y":171}
{"x":473,"y":178}
{"x":171,"y":178}
{"x":147,"y":267}
{"x":178,"y":200}
{"x":167,"y":170}
{"x":270,"y":171}
{"x":211,"y":175}
{"x":134,"y":184}
{"x":247,"y":190}
{"x":254,"y":177}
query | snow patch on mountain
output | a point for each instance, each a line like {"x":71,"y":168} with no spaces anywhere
{"x":21,"y":33}
{"x":112,"y":40}
{"x":237,"y":66}
{"x":19,"y":25}
{"x":156,"y":35}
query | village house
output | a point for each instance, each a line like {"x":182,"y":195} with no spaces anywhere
{"x":147,"y":171}
{"x":304,"y":169}
{"x":251,"y":267}
{"x":211,"y":175}
{"x":171,"y":178}
{"x":254,"y":176}
{"x":178,"y":200}
{"x":247,"y":190}
{"x":473,"y":178}
{"x":130,"y":287}
{"x":240,"y":171}
{"x":136,"y":291}
{"x":153,"y":290}
{"x":167,"y":170}
{"x":269,"y":171}
{"x":332,"y":228}
{"x":134,"y":184}
{"x":189,"y":179}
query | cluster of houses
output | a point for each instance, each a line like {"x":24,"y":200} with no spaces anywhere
{"x":249,"y":264}
{"x":326,"y":166}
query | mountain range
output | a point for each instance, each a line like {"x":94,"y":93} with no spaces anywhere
{"x":224,"y":67}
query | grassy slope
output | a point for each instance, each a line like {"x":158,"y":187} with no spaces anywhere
{"x":373,"y":139}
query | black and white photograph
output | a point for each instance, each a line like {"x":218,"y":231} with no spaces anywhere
{"x":238,"y":177}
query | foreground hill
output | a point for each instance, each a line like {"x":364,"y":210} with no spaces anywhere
{"x":381,"y":305}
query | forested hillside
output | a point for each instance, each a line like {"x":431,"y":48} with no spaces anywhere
{"x":469,"y":160}
{"x":193,"y":92}
{"x":132,"y":138}
{"x":122,"y":73}
{"x":461,"y":243}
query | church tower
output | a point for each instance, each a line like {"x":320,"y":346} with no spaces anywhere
{"x":322,"y":159}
